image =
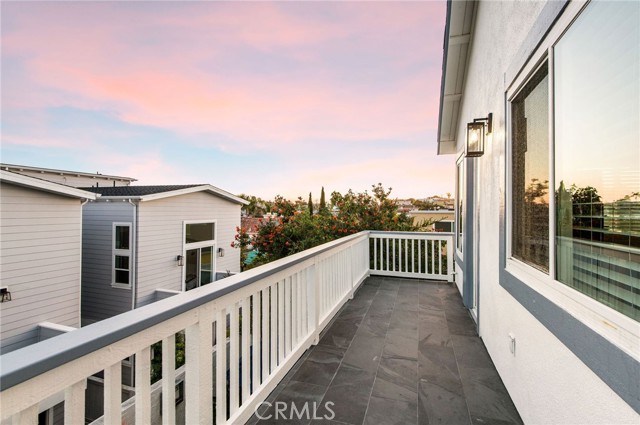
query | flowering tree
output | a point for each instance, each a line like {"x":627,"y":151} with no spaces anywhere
{"x":293,"y":230}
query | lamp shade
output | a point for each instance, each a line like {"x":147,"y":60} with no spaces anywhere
{"x":475,"y":139}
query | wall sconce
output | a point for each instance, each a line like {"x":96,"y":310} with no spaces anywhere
{"x":476,"y":132}
{"x":5,"y":295}
{"x":220,"y":252}
{"x":180,"y":260}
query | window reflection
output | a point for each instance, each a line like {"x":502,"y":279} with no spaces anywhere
{"x":597,"y":155}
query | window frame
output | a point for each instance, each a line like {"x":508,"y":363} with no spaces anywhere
{"x":121,"y":253}
{"x":459,"y":227}
{"x":615,"y":326}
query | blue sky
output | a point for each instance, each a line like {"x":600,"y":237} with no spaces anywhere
{"x":257,"y":97}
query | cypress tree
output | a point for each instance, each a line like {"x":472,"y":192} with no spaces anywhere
{"x":310,"y":205}
{"x":323,"y":205}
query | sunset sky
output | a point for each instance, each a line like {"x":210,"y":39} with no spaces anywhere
{"x":255,"y":97}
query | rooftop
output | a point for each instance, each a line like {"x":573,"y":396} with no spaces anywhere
{"x":402,"y":351}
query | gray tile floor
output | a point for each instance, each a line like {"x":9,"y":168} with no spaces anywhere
{"x":402,"y":351}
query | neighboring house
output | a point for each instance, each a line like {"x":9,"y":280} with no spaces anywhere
{"x":547,"y":235}
{"x":141,"y":243}
{"x":441,"y":219}
{"x":69,"y":178}
{"x":40,"y":252}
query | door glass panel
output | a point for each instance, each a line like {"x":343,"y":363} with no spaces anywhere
{"x":206,"y":265}
{"x":191,"y":269}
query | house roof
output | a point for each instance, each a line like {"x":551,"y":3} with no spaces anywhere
{"x":150,"y":193}
{"x":18,"y":168}
{"x":457,"y":45}
{"x":45,"y":185}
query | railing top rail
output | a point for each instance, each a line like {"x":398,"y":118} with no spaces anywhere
{"x":28,"y":362}
{"x":388,"y":233}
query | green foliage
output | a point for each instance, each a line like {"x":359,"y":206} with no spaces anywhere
{"x":323,"y":204}
{"x":257,"y":207}
{"x":293,"y":231}
{"x":156,"y":361}
{"x":310,"y":205}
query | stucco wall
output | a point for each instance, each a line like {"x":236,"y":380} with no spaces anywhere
{"x":546,"y":381}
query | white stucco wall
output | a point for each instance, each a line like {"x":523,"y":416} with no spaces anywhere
{"x":546,"y":381}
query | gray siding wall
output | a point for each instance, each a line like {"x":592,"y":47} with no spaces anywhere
{"x":40,"y":236}
{"x":75,"y":181}
{"x":160,"y":238}
{"x":99,"y":299}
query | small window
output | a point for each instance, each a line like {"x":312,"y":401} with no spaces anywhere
{"x":530,"y":172}
{"x":121,"y":255}
{"x":199,"y":232}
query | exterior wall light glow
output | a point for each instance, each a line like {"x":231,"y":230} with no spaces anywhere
{"x":476,"y":132}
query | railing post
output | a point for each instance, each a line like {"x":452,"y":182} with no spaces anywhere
{"x":199,"y":373}
{"x":168,"y":380}
{"x":352,"y":279}
{"x":314,"y":301}
{"x":143,"y":386}
{"x":450,"y":270}
{"x":74,"y":403}
{"x":113,"y":394}
{"x":28,"y":416}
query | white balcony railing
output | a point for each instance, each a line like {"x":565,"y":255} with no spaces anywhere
{"x":267,"y":316}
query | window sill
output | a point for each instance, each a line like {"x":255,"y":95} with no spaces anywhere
{"x":120,"y":286}
{"x":619,"y":329}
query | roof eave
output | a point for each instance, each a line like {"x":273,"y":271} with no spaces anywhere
{"x":46,"y":186}
{"x":450,"y":102}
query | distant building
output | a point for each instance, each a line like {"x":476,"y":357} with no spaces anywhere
{"x":69,"y":178}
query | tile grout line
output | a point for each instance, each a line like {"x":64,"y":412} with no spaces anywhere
{"x":455,"y":357}
{"x":347,"y":349}
{"x":375,"y":377}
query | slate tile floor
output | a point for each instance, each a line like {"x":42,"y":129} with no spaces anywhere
{"x":402,"y":351}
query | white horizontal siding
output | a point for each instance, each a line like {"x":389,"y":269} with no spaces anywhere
{"x":99,"y":299}
{"x":160,"y":233}
{"x":40,"y":236}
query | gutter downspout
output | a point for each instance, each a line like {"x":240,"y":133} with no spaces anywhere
{"x":82,"y":204}
{"x":134,"y":254}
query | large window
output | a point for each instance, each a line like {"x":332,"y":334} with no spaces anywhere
{"x":597,"y":155}
{"x":589,"y":83}
{"x":121,"y":254}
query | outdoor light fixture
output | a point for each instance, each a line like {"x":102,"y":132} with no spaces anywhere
{"x":476,"y":132}
{"x":220,"y":252}
{"x":180,"y":260}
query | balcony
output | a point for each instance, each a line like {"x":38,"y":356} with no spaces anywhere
{"x":340,"y":322}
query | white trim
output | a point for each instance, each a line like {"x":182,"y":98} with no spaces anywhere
{"x":122,"y":253}
{"x":204,"y":188}
{"x":460,"y":162}
{"x":18,"y":168}
{"x":622,"y":330}
{"x":46,"y":186}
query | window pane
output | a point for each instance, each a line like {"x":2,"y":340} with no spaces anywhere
{"x":530,"y":173}
{"x":200,"y":232}
{"x":122,"y":237}
{"x":122,"y":276}
{"x":206,"y":265}
{"x":122,"y":262}
{"x":597,"y":152}
{"x":461,"y":194}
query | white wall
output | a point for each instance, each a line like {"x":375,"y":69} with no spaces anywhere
{"x":72,"y":180}
{"x":40,"y":250}
{"x":546,"y":381}
{"x":160,"y":233}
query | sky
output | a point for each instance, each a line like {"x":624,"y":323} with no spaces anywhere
{"x":262,"y":98}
